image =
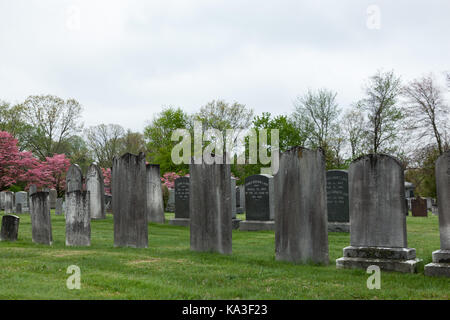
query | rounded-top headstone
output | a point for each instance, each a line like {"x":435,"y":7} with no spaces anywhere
{"x":96,"y":188}
{"x":74,"y":179}
{"x":10,"y":228}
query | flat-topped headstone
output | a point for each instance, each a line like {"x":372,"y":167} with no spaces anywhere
{"x":18,"y":209}
{"x":9,"y":202}
{"x":41,"y":227}
{"x":210,"y":207}
{"x":377,"y":215}
{"x":170,"y":207}
{"x":129,"y":196}
{"x":181,"y":202}
{"x":2,"y":200}
{"x":155,"y":202}
{"x":419,"y":207}
{"x":10,"y":228}
{"x":59,"y":206}
{"x":301,"y":234}
{"x":22,"y":198}
{"x":78,"y":220}
{"x":53,"y":194}
{"x":95,"y":187}
{"x":441,"y":258}
{"x":337,"y":201}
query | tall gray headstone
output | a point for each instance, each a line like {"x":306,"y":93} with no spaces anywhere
{"x":301,"y":234}
{"x":53,"y":196}
{"x":441,"y":258}
{"x":377,"y":215}
{"x":233,"y":197}
{"x":2,"y":200}
{"x":210,"y":207}
{"x":10,"y":228}
{"x":95,"y":187}
{"x":170,"y":207}
{"x":181,"y":202}
{"x":155,"y":202}
{"x":59,"y":207}
{"x":41,"y":226}
{"x":22,"y":198}
{"x":129,"y":196}
{"x":337,"y":201}
{"x":260,"y":205}
{"x":78,"y":220}
{"x":9,"y":202}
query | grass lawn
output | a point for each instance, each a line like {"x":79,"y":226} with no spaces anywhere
{"x":167,"y":269}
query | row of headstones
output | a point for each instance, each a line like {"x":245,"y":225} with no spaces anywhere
{"x":18,"y":202}
{"x":376,"y":206}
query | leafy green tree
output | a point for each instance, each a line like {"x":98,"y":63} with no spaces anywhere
{"x":105,"y":142}
{"x":12,"y":120}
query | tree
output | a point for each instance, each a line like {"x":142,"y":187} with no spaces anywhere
{"x":427,"y":114}
{"x":382,"y":110}
{"x":107,"y":180}
{"x":317,"y":114}
{"x":105,"y":142}
{"x":158,"y":136}
{"x":53,"y":121}
{"x":133,"y":142}
{"x":12,"y":120}
{"x":9,"y":160}
{"x":354,"y":127}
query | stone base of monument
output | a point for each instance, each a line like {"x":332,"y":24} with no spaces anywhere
{"x":254,"y":225}
{"x":388,"y":259}
{"x":183,"y":222}
{"x":235,"y":223}
{"x":440,"y":267}
{"x":338,"y":227}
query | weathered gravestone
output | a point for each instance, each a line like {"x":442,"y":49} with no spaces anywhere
{"x":181,"y":202}
{"x":95,"y":187}
{"x":170,"y":207}
{"x":2,"y":200}
{"x":441,"y":258}
{"x":337,"y":201}
{"x":239,"y":208}
{"x":18,"y":208}
{"x":78,"y":220}
{"x":129,"y":196}
{"x":259,"y":201}
{"x":155,"y":202}
{"x":419,"y":207}
{"x":41,"y":226}
{"x":434,"y":209}
{"x":53,"y":196}
{"x":301,"y":234}
{"x":59,"y":207}
{"x":210,"y":207}
{"x":9,"y":202}
{"x":108,"y":203}
{"x":21,"y":198}
{"x":242,"y":197}
{"x":234,"y":222}
{"x":377,"y":215}
{"x":10,"y":228}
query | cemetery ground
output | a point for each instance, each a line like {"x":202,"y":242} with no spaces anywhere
{"x":167,"y":269}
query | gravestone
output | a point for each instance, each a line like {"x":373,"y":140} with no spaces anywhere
{"x":440,"y":265}
{"x":419,"y":207}
{"x":210,"y":207}
{"x":53,"y":196}
{"x":337,"y":201}
{"x":9,"y":202}
{"x":239,"y":209}
{"x":129,"y":197}
{"x":259,"y":201}
{"x":181,"y":202}
{"x":41,"y":226}
{"x":234,"y":222}
{"x":18,"y":208}
{"x":170,"y":207}
{"x":22,"y":198}
{"x":10,"y":228}
{"x":95,"y":187}
{"x":59,"y":207}
{"x":301,"y":234}
{"x":429,"y":203}
{"x":155,"y":202}
{"x":108,"y":203}
{"x":242,"y":196}
{"x":78,"y":220}
{"x":377,"y":215}
{"x":2,"y":200}
{"x":434,"y":209}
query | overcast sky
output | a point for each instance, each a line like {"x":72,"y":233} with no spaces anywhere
{"x":125,"y":60}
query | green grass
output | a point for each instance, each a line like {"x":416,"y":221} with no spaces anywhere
{"x":167,"y":269}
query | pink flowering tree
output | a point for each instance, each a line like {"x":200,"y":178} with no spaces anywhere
{"x":9,"y":160}
{"x":168,"y":178}
{"x":107,"y":180}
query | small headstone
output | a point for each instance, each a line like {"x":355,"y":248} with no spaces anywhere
{"x":74,"y":179}
{"x":419,"y":207}
{"x":377,"y":215}
{"x":170,"y":207}
{"x":95,"y":187}
{"x":41,"y":227}
{"x":9,"y":202}
{"x":10,"y":228}
{"x":337,"y":201}
{"x":129,"y":197}
{"x":242,"y":197}
{"x":210,"y":207}
{"x":155,"y":202}
{"x":441,"y":258}
{"x":108,"y":203}
{"x":22,"y":198}
{"x":301,"y":234}
{"x":434,"y":209}
{"x":18,"y":208}
{"x":181,"y":202}
{"x":59,"y":207}
{"x":2,"y":200}
{"x":259,"y":201}
{"x":53,"y":196}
